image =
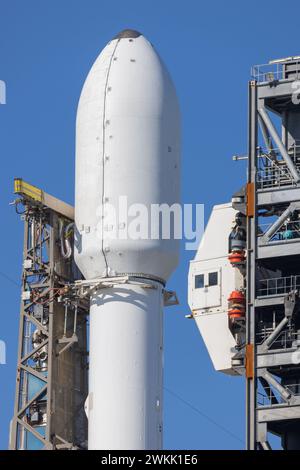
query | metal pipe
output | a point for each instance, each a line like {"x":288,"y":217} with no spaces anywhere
{"x":277,"y":224}
{"x":265,"y":134}
{"x":269,"y":125}
{"x":66,"y":319}
{"x":270,"y":339}
{"x":75,"y":318}
{"x":285,"y":394}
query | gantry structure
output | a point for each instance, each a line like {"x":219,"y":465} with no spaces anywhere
{"x":272,"y":208}
{"x":52,"y":365}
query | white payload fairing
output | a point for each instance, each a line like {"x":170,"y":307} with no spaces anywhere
{"x":127,"y":149}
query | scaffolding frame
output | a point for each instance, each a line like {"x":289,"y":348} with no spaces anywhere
{"x":52,"y":365}
{"x":270,"y":366}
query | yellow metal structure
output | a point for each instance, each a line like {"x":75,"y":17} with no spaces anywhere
{"x":27,"y":190}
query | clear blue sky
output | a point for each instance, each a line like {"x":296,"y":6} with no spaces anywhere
{"x":46,"y":50}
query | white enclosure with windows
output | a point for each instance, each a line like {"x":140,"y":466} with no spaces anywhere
{"x":211,"y":280}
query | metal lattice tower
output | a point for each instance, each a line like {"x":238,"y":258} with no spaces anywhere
{"x":273,"y":256}
{"x":51,"y":382}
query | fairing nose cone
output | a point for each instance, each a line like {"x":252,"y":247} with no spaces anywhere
{"x":128,"y":33}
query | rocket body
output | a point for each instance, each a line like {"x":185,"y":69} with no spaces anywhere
{"x":127,"y":150}
{"x":126,"y":346}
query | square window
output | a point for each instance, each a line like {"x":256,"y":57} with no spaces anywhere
{"x":199,"y":281}
{"x":213,"y":279}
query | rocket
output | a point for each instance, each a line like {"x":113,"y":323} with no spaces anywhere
{"x":127,"y":148}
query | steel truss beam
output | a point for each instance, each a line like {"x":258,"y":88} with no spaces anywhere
{"x":272,"y":375}
{"x":52,"y":364}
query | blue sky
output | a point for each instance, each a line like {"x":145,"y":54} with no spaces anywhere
{"x":46,"y":50}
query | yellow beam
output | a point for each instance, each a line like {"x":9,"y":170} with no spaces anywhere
{"x":28,"y":191}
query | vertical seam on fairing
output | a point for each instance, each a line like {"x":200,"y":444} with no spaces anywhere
{"x":103,"y":152}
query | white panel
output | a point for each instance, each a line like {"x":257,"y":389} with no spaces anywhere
{"x":210,"y":303}
{"x":218,"y":339}
{"x":213,"y":298}
{"x":214,"y":243}
{"x":206,"y":296}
